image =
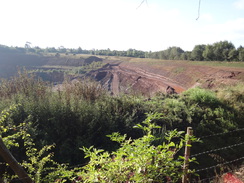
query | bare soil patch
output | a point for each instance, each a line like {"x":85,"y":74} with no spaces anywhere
{"x":149,"y":78}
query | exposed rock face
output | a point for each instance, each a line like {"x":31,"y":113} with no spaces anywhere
{"x":117,"y":78}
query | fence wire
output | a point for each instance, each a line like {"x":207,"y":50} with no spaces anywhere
{"x":217,"y":134}
{"x":221,"y":164}
{"x":207,"y":180}
{"x":214,"y":150}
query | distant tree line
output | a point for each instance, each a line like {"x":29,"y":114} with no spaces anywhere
{"x":219,"y":51}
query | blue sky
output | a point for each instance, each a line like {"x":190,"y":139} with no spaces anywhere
{"x":120,"y":24}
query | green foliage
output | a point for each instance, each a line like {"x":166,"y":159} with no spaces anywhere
{"x":137,"y":160}
{"x":201,"y":97}
{"x":79,"y":114}
{"x":82,"y":114}
{"x":9,"y":131}
{"x":234,"y":96}
{"x":219,"y":51}
{"x":208,"y":113}
{"x":38,"y":163}
{"x":197,"y":52}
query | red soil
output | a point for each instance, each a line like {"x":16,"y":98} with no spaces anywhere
{"x":150,"y":79}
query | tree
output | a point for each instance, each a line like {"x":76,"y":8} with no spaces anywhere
{"x":62,"y":49}
{"x":79,"y":50}
{"x":27,"y":45}
{"x":241,"y":54}
{"x":197,"y":52}
{"x":221,"y":50}
{"x":129,"y":53}
{"x":184,"y":56}
{"x":175,"y":53}
{"x":233,"y":55}
{"x":208,"y":53}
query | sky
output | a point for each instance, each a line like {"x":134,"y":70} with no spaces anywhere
{"x":121,"y":24}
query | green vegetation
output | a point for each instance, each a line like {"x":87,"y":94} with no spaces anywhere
{"x":57,"y":74}
{"x":82,"y":114}
{"x":219,"y":51}
{"x":137,"y":160}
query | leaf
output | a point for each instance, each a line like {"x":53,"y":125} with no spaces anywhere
{"x":171,"y":144}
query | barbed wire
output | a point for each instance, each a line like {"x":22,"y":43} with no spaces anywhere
{"x":215,"y":166}
{"x":214,"y":150}
{"x":217,"y":134}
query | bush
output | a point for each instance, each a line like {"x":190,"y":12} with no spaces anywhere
{"x":136,"y":160}
{"x":201,"y":97}
{"x":80,"y":114}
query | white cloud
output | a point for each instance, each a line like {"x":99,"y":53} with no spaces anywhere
{"x":239,"y":4}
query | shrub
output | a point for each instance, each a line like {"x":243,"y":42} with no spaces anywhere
{"x":201,"y":97}
{"x":136,"y":160}
{"x":39,"y":164}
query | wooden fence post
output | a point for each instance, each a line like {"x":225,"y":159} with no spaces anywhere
{"x":8,"y":157}
{"x":187,"y":156}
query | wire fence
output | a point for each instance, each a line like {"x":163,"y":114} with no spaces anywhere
{"x":223,"y":133}
{"x":208,"y":179}
{"x":215,"y":178}
{"x":219,"y":165}
{"x":214,"y":150}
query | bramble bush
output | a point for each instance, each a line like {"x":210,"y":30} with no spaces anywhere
{"x":137,"y":160}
